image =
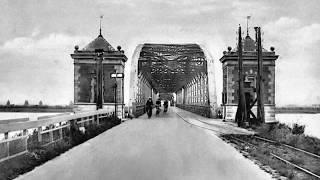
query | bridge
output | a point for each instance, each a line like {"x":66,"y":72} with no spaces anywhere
{"x":183,"y":70}
{"x":180,"y":144}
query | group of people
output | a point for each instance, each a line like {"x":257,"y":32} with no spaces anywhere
{"x":150,"y":105}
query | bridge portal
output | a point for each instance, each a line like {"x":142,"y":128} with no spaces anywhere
{"x":94,"y":86}
{"x":183,"y":70}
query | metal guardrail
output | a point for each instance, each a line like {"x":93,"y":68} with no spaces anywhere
{"x":203,"y":110}
{"x":6,"y":121}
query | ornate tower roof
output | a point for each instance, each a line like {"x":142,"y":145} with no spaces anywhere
{"x":99,"y":43}
{"x":249,"y":44}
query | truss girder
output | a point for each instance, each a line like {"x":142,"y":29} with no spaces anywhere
{"x":169,"y":67}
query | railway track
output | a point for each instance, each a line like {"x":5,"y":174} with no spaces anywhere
{"x":288,"y":146}
{"x":275,"y":149}
{"x":280,"y":152}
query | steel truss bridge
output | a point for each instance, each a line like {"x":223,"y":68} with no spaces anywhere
{"x":160,"y":70}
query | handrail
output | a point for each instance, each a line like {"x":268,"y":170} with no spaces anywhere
{"x":54,"y":129}
{"x":6,"y":121}
{"x":54,"y":115}
{"x":14,"y":138}
{"x":17,"y":126}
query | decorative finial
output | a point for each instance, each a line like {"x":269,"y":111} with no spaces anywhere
{"x":248,"y":17}
{"x":100,"y":25}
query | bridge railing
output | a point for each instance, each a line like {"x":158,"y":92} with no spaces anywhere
{"x":203,"y":110}
{"x":48,"y":130}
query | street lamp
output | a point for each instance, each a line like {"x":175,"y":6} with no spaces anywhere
{"x":115,"y":76}
{"x":99,"y":75}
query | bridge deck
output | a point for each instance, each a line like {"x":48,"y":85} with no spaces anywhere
{"x":163,"y":147}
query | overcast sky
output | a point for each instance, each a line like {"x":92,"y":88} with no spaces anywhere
{"x":37,"y":37}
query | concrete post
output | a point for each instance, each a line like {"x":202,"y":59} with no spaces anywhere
{"x":6,"y":135}
{"x":51,"y":132}
{"x":98,"y":119}
{"x":39,"y":134}
{"x":24,"y":133}
{"x":60,"y":131}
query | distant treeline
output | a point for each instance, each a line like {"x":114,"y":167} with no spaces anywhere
{"x":35,"y":108}
{"x":297,"y":109}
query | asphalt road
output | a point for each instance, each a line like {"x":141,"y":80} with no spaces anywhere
{"x":163,"y":147}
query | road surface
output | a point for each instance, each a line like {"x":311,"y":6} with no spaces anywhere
{"x":161,"y":148}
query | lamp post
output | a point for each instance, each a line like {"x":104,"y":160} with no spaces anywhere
{"x":99,"y":75}
{"x":115,"y":76}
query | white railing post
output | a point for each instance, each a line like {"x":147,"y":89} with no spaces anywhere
{"x":98,"y":119}
{"x":24,"y":133}
{"x":51,"y":132}
{"x":61,"y":133}
{"x":6,"y":136}
{"x":39,"y":134}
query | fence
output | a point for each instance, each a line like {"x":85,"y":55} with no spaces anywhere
{"x":203,"y":110}
{"x":49,"y":130}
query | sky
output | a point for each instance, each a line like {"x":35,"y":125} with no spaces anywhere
{"x":38,"y":36}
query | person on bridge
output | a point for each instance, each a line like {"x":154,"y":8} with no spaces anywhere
{"x":165,"y":105}
{"x":158,"y":105}
{"x":149,"y":105}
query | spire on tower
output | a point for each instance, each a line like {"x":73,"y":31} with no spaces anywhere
{"x":248,"y":17}
{"x":100,"y":25}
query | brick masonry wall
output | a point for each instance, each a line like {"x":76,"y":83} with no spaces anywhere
{"x":82,"y":83}
{"x":231,"y":85}
{"x":268,"y":109}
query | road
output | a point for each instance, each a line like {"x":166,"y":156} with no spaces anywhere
{"x":160,"y":148}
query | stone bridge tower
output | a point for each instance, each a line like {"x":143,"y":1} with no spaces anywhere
{"x":229,"y":62}
{"x":87,"y":75}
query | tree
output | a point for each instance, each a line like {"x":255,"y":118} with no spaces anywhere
{"x":8,"y":103}
{"x":40,"y":103}
{"x":26,"y":103}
